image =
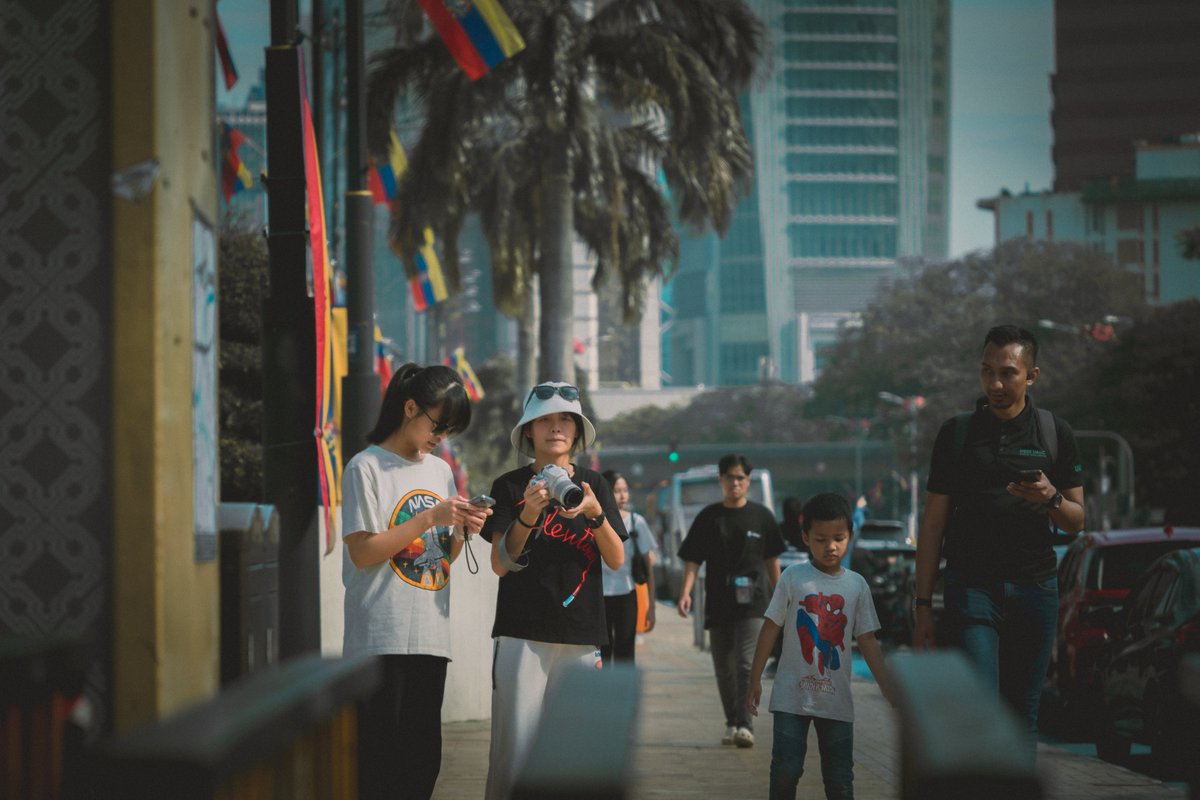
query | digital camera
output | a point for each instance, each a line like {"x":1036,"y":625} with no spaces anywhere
{"x":559,"y":485}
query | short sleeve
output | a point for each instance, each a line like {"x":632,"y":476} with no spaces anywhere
{"x":942,"y":462}
{"x":694,"y":547}
{"x":777,"y":608}
{"x":866,"y":619}
{"x":359,"y":501}
{"x":645,"y":537}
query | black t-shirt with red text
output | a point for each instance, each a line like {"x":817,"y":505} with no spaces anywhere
{"x":559,"y":596}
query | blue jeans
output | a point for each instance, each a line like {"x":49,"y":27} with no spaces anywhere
{"x":1007,"y":631}
{"x":835,"y":739}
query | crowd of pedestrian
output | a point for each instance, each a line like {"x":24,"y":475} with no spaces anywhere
{"x":573,"y":560}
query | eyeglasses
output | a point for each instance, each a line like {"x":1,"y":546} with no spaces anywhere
{"x":545,"y":391}
{"x":438,"y":427}
{"x":734,"y":478}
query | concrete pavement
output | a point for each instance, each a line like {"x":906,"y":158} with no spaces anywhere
{"x":678,"y":753}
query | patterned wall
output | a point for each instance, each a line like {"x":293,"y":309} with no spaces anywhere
{"x":55,"y":319}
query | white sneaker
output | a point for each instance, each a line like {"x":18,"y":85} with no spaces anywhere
{"x":730,"y":732}
{"x":743,"y":738}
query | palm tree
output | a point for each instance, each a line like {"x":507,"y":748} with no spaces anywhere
{"x":569,"y":138}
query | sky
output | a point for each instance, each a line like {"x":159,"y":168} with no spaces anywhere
{"x":1001,"y":53}
{"x":1002,"y":56}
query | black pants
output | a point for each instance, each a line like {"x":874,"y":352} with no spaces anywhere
{"x":400,"y":730}
{"x":621,"y":612}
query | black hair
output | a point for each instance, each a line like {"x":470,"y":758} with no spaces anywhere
{"x":1004,"y":335}
{"x":433,"y":387}
{"x":825,"y":507}
{"x":612,"y":476}
{"x":733,"y":460}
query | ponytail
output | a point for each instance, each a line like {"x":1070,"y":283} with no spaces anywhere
{"x":432,"y":387}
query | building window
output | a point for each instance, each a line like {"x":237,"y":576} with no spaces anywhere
{"x":689,"y":295}
{"x":840,"y":24}
{"x":842,"y":164}
{"x":1129,"y":217}
{"x":742,"y":288}
{"x":1049,"y":224}
{"x":851,"y":80}
{"x":842,"y":241}
{"x":739,"y":361}
{"x":1130,"y":251}
{"x":843,"y":135}
{"x":1029,"y":224}
{"x":841,"y":52}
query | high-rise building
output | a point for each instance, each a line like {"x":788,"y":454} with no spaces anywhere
{"x":1123,"y":72}
{"x":850,"y":134}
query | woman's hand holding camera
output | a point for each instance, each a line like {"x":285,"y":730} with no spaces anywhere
{"x":537,"y":497}
{"x":589,"y":508}
{"x":457,"y":511}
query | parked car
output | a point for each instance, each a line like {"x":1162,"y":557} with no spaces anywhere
{"x":885,"y":530}
{"x":1094,"y":577}
{"x":1142,"y":698}
{"x":679,"y":503}
{"x":889,"y":567}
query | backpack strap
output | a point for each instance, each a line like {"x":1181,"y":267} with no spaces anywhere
{"x":961,"y":423}
{"x":1049,"y":431}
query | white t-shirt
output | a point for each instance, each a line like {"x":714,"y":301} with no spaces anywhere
{"x":402,"y":605}
{"x":819,"y":614}
{"x":620,"y":581}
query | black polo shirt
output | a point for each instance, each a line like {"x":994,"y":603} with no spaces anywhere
{"x":991,"y":534}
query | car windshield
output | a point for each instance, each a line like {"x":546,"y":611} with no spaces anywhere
{"x":1119,"y":566}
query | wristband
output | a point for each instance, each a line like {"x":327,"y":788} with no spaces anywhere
{"x":526,"y":524}
{"x":596,"y":523}
{"x":922,"y":602}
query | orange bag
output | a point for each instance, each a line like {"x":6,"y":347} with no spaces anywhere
{"x":643,"y":606}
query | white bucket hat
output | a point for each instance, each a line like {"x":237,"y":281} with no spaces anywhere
{"x":553,"y":403}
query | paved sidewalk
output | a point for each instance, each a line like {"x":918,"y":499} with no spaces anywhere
{"x":678,"y":752}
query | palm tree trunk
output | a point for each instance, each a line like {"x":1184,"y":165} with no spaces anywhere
{"x":527,"y":349}
{"x":556,"y":279}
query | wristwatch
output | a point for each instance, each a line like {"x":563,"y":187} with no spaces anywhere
{"x":1055,"y":502}
{"x":595,"y":523}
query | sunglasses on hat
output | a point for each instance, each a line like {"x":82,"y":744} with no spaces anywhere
{"x":545,"y":391}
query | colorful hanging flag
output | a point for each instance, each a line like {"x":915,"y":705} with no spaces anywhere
{"x":235,"y":176}
{"x":458,"y":360}
{"x":227,"y":67}
{"x":476,"y":32}
{"x":382,"y":178}
{"x":325,"y":430}
{"x":383,"y":364}
{"x":428,"y":285}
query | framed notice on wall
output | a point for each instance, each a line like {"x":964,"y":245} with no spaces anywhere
{"x":205,"y":461}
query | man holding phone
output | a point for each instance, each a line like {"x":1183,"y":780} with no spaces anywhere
{"x":1002,"y":480}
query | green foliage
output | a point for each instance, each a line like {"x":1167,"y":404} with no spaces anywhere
{"x":567,"y":137}
{"x":763,"y":413}
{"x":1147,"y":388}
{"x":242,"y":277}
{"x":923,"y":334}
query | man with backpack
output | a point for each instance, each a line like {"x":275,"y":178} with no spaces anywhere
{"x":1001,"y":481}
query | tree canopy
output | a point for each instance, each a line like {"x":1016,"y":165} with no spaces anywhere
{"x":567,"y":139}
{"x":923,"y":333}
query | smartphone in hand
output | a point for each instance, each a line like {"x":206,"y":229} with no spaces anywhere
{"x":1029,"y":475}
{"x":482,"y":501}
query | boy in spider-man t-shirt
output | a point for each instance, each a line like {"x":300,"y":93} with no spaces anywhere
{"x":820,"y":606}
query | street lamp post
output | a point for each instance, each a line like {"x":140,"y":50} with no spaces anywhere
{"x":912,"y":404}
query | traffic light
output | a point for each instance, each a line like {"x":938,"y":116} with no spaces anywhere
{"x":673,"y":452}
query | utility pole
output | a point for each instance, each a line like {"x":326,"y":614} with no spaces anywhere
{"x":360,"y":387}
{"x":289,"y":350}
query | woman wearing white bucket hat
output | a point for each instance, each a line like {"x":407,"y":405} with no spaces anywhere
{"x":550,"y":606}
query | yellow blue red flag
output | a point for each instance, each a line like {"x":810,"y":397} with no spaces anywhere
{"x":476,"y":32}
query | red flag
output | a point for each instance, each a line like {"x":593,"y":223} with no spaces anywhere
{"x":227,"y":67}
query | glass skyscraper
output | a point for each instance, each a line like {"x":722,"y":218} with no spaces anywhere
{"x":850,"y":133}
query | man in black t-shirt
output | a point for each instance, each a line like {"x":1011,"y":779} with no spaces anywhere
{"x":740,"y":543}
{"x":1001,"y":481}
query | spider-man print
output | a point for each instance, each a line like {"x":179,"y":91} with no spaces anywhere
{"x":821,"y":625}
